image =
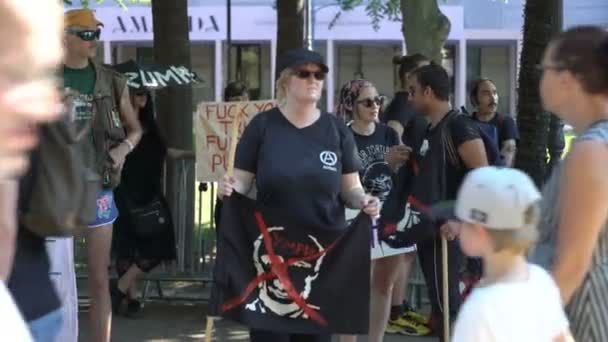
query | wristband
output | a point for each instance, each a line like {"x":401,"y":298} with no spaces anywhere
{"x":129,"y":144}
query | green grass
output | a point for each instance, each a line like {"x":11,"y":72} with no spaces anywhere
{"x":569,"y":137}
{"x":207,"y":202}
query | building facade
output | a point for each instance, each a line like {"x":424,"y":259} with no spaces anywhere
{"x":485,"y":40}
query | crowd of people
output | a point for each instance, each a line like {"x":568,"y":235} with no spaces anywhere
{"x":538,"y":260}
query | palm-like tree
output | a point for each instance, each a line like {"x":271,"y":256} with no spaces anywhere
{"x":174,"y":105}
{"x":541,"y":21}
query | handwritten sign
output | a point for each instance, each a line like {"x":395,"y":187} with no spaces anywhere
{"x":214,"y":122}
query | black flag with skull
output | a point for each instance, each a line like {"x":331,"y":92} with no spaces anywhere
{"x":275,"y":275}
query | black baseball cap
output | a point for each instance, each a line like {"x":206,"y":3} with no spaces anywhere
{"x":296,"y":57}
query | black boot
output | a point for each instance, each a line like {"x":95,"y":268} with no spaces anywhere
{"x":116,"y":295}
{"x":133,"y":308}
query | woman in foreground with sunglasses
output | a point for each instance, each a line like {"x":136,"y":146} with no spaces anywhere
{"x":304,"y":162}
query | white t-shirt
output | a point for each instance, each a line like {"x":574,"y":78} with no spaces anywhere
{"x":523,"y":311}
{"x":12,"y":326}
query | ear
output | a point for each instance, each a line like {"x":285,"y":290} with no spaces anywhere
{"x":568,"y":80}
{"x":427,"y":91}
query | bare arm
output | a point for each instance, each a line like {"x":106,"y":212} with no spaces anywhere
{"x":565,"y":336}
{"x":240,"y":182}
{"x":583,"y":213}
{"x":508,"y":150}
{"x":8,"y":226}
{"x":352,"y":192}
{"x":396,"y":125}
{"x":473,"y":153}
{"x":129,"y":118}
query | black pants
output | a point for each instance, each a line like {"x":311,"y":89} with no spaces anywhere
{"x":270,"y":336}
{"x":431,"y":262}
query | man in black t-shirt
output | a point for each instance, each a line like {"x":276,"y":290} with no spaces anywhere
{"x":438,"y":179}
{"x":484,"y":97}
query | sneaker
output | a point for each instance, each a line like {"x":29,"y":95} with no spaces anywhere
{"x":406,"y":326}
{"x":411,"y":314}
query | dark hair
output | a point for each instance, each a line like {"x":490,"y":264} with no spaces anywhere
{"x":475,"y":88}
{"x":583,"y":51}
{"x":235,"y":88}
{"x":435,"y":77}
{"x":408,"y":63}
{"x":147,"y":117}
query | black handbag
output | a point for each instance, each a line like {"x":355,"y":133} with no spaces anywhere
{"x":150,"y":220}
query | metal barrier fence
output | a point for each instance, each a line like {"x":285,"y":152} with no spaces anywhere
{"x":196,"y":255}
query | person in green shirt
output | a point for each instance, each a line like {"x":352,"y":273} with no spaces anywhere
{"x":90,"y":82}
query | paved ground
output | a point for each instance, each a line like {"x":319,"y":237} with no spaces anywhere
{"x":173,"y":322}
{"x":179,"y":320}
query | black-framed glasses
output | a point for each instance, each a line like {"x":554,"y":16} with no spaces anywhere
{"x":86,"y":35}
{"x":370,"y":102}
{"x":304,"y":74}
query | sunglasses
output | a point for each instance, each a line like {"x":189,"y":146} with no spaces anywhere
{"x":542,"y":67}
{"x":370,"y":102}
{"x":304,"y":74}
{"x":86,"y":35}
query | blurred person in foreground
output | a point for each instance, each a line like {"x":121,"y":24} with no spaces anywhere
{"x":30,"y":34}
{"x":573,"y":241}
{"x":499,"y":210}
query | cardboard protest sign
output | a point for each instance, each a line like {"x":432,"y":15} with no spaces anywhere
{"x":214,"y":122}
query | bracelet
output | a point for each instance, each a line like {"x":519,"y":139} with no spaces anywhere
{"x":129,"y":144}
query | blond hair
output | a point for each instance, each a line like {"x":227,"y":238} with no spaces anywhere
{"x":518,"y":240}
{"x":281,"y":85}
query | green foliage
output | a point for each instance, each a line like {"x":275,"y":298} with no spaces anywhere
{"x":375,"y":9}
{"x":121,"y":3}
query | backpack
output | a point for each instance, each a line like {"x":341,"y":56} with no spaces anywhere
{"x":62,"y":192}
{"x":488,"y":134}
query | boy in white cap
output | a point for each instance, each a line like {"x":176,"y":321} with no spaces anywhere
{"x":515,"y":300}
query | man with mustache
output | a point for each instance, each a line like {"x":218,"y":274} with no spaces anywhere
{"x":484,"y":97}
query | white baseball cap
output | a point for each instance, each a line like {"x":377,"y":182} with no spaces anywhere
{"x":497,"y":198}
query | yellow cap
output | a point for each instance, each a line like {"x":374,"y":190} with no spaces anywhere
{"x":81,"y":17}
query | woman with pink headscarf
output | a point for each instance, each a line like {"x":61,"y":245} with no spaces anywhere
{"x":359,"y":104}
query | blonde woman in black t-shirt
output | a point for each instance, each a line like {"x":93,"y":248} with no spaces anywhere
{"x":304,"y":161}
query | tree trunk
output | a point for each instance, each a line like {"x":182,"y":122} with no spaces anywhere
{"x":290,"y":25}
{"x":425,"y":29}
{"x":556,"y":140}
{"x":174,"y":109}
{"x":533,"y":121}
